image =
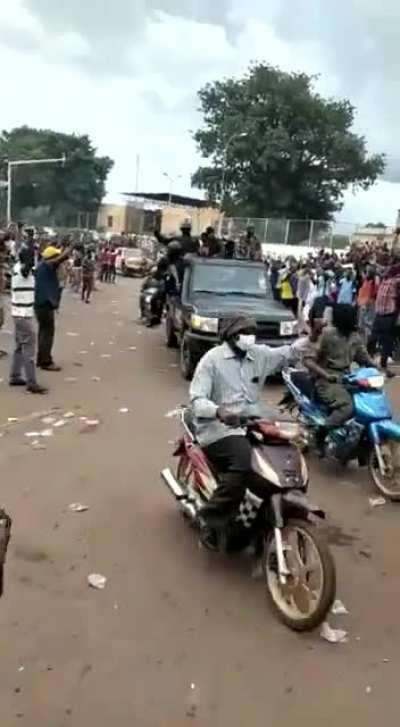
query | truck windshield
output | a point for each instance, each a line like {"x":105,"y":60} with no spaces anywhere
{"x":231,"y":280}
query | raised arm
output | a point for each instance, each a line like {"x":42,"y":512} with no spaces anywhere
{"x":275,"y":359}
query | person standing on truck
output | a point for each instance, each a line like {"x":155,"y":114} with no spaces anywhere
{"x":188,"y":243}
{"x":249,"y":247}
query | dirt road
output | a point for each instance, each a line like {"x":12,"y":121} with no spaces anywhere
{"x":178,"y":637}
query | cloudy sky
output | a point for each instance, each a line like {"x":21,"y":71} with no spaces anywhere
{"x":127,"y":71}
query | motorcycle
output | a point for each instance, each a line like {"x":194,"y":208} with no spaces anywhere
{"x":151,"y":302}
{"x":371,"y":436}
{"x":297,"y":564}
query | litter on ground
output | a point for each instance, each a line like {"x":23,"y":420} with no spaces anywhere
{"x":123,"y":410}
{"x":46,"y":433}
{"x":333,"y":636}
{"x":37,"y":445}
{"x":69,"y":415}
{"x":60,"y":423}
{"x":377,"y":501}
{"x":72,"y":333}
{"x":78,"y":507}
{"x":339,"y":609}
{"x":89,"y":425}
{"x":95,"y":580}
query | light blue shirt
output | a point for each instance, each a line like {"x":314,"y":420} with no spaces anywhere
{"x":346,"y":292}
{"x":224,"y":379}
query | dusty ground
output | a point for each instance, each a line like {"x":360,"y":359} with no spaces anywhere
{"x":170,"y":616}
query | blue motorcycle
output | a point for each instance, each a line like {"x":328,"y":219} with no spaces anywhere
{"x":371,"y":436}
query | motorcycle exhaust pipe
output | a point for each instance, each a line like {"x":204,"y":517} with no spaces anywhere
{"x":179,"y":494}
{"x":172,"y":484}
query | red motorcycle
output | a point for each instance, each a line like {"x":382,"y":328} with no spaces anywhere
{"x":297,"y":564}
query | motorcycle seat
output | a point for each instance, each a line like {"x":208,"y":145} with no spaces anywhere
{"x":305,"y":383}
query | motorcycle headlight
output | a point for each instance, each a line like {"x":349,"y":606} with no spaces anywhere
{"x":148,"y":298}
{"x":288,"y":328}
{"x":205,"y":325}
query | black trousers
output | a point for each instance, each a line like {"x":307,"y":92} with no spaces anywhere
{"x":383,"y":333}
{"x":46,"y":320}
{"x":231,"y":457}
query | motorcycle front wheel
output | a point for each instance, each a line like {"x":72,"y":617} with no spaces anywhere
{"x":303,"y":602}
{"x":388,"y":484}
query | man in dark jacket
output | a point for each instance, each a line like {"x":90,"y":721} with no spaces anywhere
{"x":47,"y":301}
{"x":188,"y":243}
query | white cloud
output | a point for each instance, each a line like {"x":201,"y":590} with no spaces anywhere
{"x":127,"y":73}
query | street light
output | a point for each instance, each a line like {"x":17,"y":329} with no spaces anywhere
{"x":236,"y":135}
{"x":21,"y":163}
{"x":171,"y":180}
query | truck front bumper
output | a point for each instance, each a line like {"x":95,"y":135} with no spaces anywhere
{"x":200,"y":343}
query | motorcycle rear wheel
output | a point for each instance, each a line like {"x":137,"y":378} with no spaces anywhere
{"x":304,"y":601}
{"x":388,"y":485}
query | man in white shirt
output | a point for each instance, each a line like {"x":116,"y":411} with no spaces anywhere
{"x":22,"y":311}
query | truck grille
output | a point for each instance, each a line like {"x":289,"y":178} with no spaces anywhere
{"x":267,"y":330}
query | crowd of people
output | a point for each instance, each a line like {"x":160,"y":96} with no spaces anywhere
{"x":366,"y":277}
{"x":40,"y":269}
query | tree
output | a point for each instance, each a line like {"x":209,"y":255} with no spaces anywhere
{"x":62,"y":190}
{"x":286,"y":151}
{"x":378,"y":225}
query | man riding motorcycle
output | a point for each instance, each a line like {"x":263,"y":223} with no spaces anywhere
{"x":227,"y":384}
{"x":328,"y":359}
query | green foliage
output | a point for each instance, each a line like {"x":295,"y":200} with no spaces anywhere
{"x":65,"y":190}
{"x":299,"y":153}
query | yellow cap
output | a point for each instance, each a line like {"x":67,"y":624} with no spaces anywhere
{"x":50,"y":252}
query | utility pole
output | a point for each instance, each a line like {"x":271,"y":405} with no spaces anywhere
{"x":171,"y":184}
{"x":137,"y":173}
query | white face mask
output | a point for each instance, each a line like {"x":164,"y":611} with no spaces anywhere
{"x":245,"y":343}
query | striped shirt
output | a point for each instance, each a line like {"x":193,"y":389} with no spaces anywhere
{"x":22,"y":293}
{"x":387,"y":300}
{"x":224,"y":379}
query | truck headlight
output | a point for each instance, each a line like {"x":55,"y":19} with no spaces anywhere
{"x":205,"y":325}
{"x":288,"y":328}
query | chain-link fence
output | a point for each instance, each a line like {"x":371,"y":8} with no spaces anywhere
{"x":305,"y":233}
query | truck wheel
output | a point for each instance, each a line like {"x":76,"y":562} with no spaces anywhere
{"x":170,"y":335}
{"x":188,"y":361}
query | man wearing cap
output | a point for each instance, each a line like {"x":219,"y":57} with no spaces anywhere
{"x":47,"y":301}
{"x":228,"y":383}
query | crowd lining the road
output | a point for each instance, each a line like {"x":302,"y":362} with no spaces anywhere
{"x":367,"y":276}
